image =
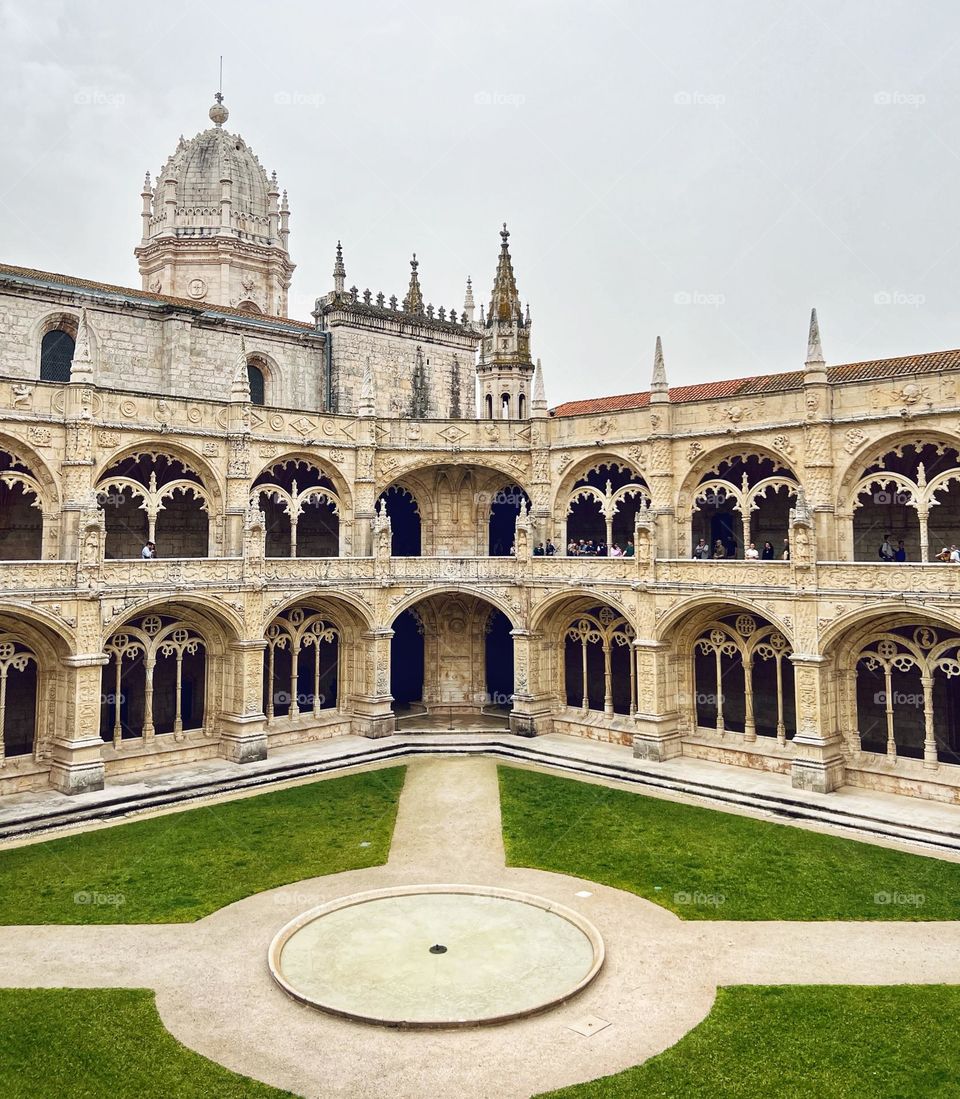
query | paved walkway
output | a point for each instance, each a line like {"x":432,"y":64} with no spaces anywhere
{"x":215,"y":994}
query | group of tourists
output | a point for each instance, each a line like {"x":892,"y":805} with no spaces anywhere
{"x":586,"y":547}
{"x":547,"y":549}
{"x":721,"y":550}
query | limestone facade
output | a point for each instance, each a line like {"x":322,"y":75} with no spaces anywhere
{"x":334,"y":553}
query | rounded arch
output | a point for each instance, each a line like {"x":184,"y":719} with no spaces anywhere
{"x":27,"y":456}
{"x":222,"y":621}
{"x":190,"y":458}
{"x":326,"y":469}
{"x":864,"y":620}
{"x":42,"y":629}
{"x":543,"y":619}
{"x":725,"y":452}
{"x":350,"y":614}
{"x":480,"y":463}
{"x":496,"y":601}
{"x":868,"y":456}
{"x":579,"y":469}
{"x":270,"y":371}
{"x":690,"y":614}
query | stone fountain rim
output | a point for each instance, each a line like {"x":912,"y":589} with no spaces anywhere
{"x":354,"y":899}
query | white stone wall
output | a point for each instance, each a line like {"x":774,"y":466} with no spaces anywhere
{"x":393,"y":359}
{"x":175,"y":354}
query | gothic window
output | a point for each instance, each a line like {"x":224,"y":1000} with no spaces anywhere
{"x":302,"y":510}
{"x":599,"y":670}
{"x":603,"y":504}
{"x":155,"y":681}
{"x":301,"y":665}
{"x":56,"y":356}
{"x":744,"y":679}
{"x":18,"y":697}
{"x":21,"y":514}
{"x":257,"y":387}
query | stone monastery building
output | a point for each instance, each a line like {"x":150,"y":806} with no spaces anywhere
{"x":345,"y":511}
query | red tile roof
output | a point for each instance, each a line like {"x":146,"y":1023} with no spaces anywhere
{"x":930,"y":363}
{"x":144,"y":295}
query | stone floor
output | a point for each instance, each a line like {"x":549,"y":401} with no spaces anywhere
{"x":215,"y":994}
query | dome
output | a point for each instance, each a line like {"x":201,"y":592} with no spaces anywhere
{"x":198,"y":166}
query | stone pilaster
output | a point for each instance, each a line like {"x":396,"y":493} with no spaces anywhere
{"x":532,"y":706}
{"x":243,"y":735}
{"x":372,"y":714}
{"x":76,"y":751}
{"x":819,"y":761}
{"x":657,"y":734}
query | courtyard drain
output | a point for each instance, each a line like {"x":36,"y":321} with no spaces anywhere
{"x":438,"y":948}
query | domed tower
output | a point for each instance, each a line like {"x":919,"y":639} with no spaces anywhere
{"x":505,"y":369}
{"x":214,"y":226}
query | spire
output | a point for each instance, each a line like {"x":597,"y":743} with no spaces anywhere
{"x":339,"y":271}
{"x":659,"y":388}
{"x":659,"y":380}
{"x":413,"y":302}
{"x":468,"y":304}
{"x":240,"y":389}
{"x":539,"y":391}
{"x":82,"y":366}
{"x":815,"y":360}
{"x":505,"y":301}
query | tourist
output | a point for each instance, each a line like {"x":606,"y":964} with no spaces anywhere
{"x":785,"y":554}
{"x":149,"y":551}
{"x":901,"y":552}
{"x":730,"y":546}
{"x":601,"y":549}
{"x":616,"y":551}
{"x":767,"y":552}
{"x":538,"y":550}
{"x":701,"y":551}
{"x":751,"y":553}
{"x":631,"y":549}
{"x":954,"y":554}
{"x":944,"y":554}
{"x":572,"y":549}
{"x":886,"y":550}
{"x":551,"y":549}
{"x":718,"y":550}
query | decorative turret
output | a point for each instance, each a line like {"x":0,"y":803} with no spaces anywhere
{"x":413,"y":302}
{"x":505,"y":368}
{"x":539,"y":406}
{"x":818,"y":397}
{"x":339,"y":271}
{"x":815,"y":363}
{"x":468,"y":305}
{"x":214,"y":228}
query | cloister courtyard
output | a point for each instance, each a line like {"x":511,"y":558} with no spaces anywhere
{"x":744,"y":956}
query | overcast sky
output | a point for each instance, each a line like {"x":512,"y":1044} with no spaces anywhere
{"x":703,"y":171}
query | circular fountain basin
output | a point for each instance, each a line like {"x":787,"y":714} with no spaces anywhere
{"x":436,"y":956}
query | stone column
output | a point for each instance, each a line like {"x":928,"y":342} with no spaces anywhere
{"x":372,"y":714}
{"x":532,"y":706}
{"x":656,"y":736}
{"x":76,"y":750}
{"x":819,"y":762}
{"x":243,"y":734}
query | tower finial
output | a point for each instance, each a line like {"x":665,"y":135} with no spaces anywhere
{"x":413,"y":302}
{"x":339,"y":271}
{"x":468,"y":303}
{"x":218,"y":113}
{"x":815,"y":358}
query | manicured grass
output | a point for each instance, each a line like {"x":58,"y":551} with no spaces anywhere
{"x":80,"y":1042}
{"x":796,"y":1042}
{"x":707,"y":865}
{"x":179,"y":867}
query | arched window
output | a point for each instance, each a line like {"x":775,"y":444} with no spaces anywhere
{"x":257,"y":387}
{"x":521,"y":407}
{"x":504,"y":406}
{"x":489,"y":404}
{"x":56,"y":356}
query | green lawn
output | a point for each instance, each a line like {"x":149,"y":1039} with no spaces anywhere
{"x":707,"y":865}
{"x":179,"y":867}
{"x":799,"y":1042}
{"x":79,"y":1043}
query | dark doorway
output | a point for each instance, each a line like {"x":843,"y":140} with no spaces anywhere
{"x":406,"y":661}
{"x":499,"y":656}
{"x":404,"y":521}
{"x":504,"y":509}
